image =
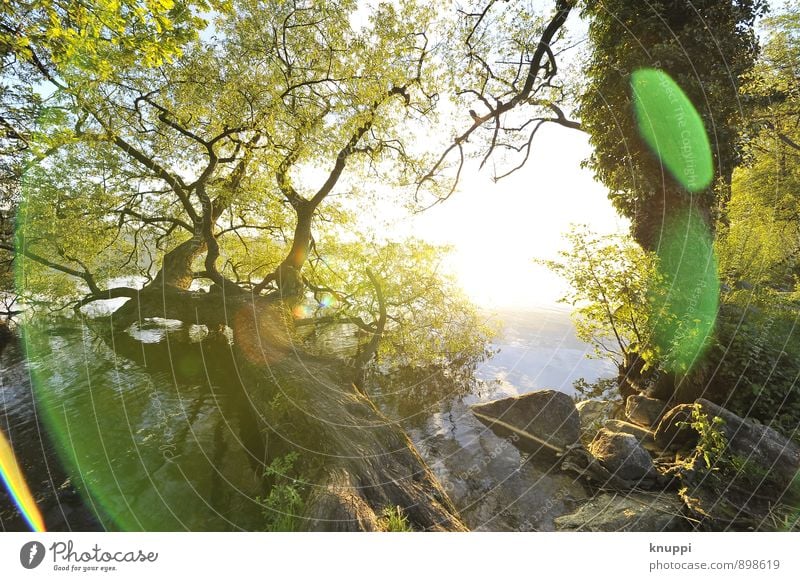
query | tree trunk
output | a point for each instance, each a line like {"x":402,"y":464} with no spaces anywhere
{"x":176,"y":269}
{"x":358,"y":461}
{"x":288,"y":275}
{"x":649,"y":221}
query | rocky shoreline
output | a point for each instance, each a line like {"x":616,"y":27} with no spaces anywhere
{"x":655,"y":466}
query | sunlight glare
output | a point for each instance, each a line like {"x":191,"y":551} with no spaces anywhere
{"x":496,"y":229}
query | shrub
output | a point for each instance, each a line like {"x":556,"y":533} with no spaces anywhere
{"x":285,"y":501}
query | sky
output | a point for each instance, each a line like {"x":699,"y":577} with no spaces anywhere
{"x":497,"y":229}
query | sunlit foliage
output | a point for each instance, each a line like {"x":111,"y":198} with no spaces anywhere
{"x":611,"y":282}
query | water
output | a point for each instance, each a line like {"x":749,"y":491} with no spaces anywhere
{"x":151,"y":440}
{"x":539,"y":349}
{"x":155,"y":435}
{"x":494,"y":487}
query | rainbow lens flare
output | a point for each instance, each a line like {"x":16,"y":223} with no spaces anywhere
{"x":17,"y":487}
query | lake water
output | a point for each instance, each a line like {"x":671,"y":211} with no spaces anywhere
{"x":539,"y":349}
{"x":493,"y":486}
{"x":151,"y":452}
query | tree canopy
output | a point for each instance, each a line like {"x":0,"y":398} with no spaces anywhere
{"x":707,"y":48}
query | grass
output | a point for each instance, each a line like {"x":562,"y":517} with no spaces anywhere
{"x":394,"y":521}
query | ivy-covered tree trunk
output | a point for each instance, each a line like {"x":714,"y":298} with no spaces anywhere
{"x":706,"y":47}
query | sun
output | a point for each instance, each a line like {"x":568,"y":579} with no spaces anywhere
{"x":497,"y":229}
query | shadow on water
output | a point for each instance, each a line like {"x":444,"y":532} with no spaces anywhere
{"x":153,"y":429}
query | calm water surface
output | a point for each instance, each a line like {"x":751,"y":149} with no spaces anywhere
{"x":154,"y":439}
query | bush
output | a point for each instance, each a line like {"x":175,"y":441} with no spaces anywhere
{"x":284,"y":504}
{"x":756,"y":359}
{"x":394,"y":521}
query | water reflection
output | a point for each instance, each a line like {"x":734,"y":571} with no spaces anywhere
{"x":491,"y":483}
{"x":154,"y":438}
{"x":157,"y":432}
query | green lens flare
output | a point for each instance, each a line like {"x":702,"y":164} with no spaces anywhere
{"x":147,"y":453}
{"x":150,"y":445}
{"x":672,"y":128}
{"x":687,"y":298}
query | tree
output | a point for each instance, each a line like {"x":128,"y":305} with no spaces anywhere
{"x":216,"y":185}
{"x":52,"y":55}
{"x":504,"y":69}
{"x":755,"y":358}
{"x":171,"y":167}
{"x":706,"y":47}
{"x":760,"y":242}
{"x":614,"y":285}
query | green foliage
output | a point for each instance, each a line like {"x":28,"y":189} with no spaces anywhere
{"x":606,"y":389}
{"x":253,"y":113}
{"x":88,"y":40}
{"x":712,"y":442}
{"x":429,"y":320}
{"x":629,"y":302}
{"x":760,"y":240}
{"x":610,"y":279}
{"x":671,"y":36}
{"x":756,"y":358}
{"x":754,"y":362}
{"x":283,"y":506}
{"x":394,"y":521}
{"x":735,"y":477}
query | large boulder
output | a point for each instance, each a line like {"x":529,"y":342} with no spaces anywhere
{"x":634,"y":511}
{"x":541,"y":421}
{"x":642,"y":435}
{"x":674,"y":430}
{"x":758,"y":445}
{"x":645,"y":411}
{"x":594,"y":413}
{"x":622,"y":455}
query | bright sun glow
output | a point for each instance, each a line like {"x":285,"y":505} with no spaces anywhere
{"x":496,"y":229}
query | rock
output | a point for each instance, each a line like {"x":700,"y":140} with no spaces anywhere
{"x":751,"y":485}
{"x":759,"y":445}
{"x":642,"y":435}
{"x":634,"y":511}
{"x":645,"y":411}
{"x":488,"y":481}
{"x":594,"y":412}
{"x":544,"y":420}
{"x":674,"y":431}
{"x":662,"y":386}
{"x":622,"y":455}
{"x":724,"y":499}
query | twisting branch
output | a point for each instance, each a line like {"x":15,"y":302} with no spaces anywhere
{"x":371,"y":348}
{"x":95,"y":292}
{"x":86,"y":276}
{"x":541,"y":67}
